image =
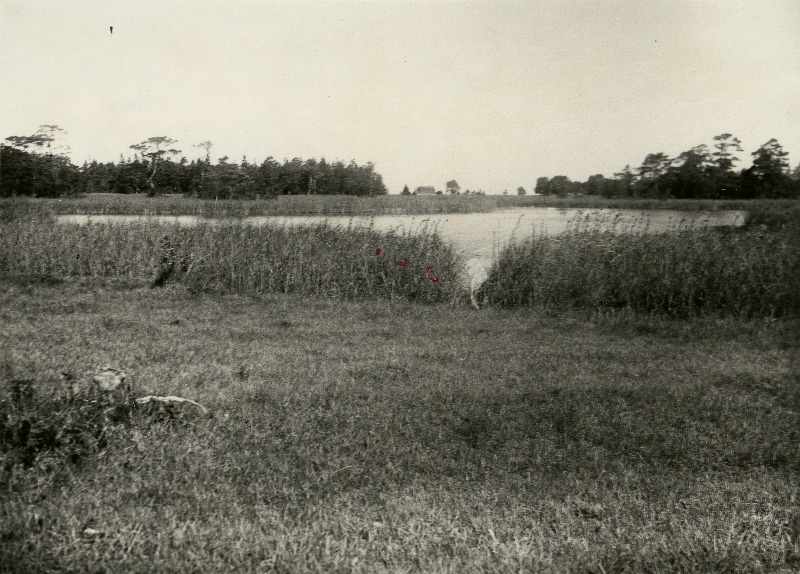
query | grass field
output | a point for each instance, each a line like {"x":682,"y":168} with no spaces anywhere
{"x":384,"y":435}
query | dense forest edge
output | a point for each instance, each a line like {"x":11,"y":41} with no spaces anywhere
{"x":32,"y":165}
{"x":38,"y":165}
{"x":698,"y":173}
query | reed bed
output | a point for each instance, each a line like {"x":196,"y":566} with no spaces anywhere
{"x":690,"y":271}
{"x":686,"y":272}
{"x":119,"y":204}
{"x":318,"y":260}
{"x":774,"y":206}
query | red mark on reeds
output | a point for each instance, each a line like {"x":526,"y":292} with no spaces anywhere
{"x":407,"y":263}
{"x":377,"y":251}
{"x":432,"y":277}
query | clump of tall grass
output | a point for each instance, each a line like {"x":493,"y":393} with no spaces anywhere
{"x":775,"y":215}
{"x":688,"y":272}
{"x":41,"y":247}
{"x":16,"y":208}
{"x":320,"y":260}
{"x":52,"y":429}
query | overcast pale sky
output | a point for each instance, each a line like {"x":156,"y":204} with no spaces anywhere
{"x":492,"y":94}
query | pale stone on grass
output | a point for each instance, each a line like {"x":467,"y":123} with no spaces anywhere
{"x":109,"y":379}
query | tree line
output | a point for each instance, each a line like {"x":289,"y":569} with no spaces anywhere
{"x":34,"y":165}
{"x":39,"y":165}
{"x":699,"y":173}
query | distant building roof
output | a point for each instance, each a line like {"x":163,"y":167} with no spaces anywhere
{"x":425,"y":189}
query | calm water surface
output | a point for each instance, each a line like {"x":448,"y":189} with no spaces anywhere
{"x":479,"y":236}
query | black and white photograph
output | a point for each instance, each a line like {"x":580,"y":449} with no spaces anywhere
{"x":435,"y":286}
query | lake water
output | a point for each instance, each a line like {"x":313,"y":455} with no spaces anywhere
{"x":479,"y":236}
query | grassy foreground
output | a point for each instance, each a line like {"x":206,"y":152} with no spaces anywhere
{"x":390,"y":436}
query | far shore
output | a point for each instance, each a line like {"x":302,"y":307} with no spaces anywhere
{"x":171,"y":204}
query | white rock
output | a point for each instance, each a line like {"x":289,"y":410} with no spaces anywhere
{"x":109,"y":379}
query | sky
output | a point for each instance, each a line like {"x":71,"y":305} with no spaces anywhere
{"x":492,"y":94}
